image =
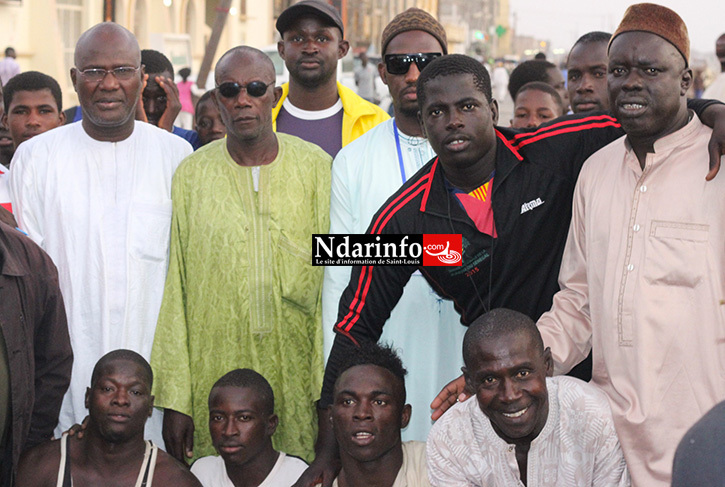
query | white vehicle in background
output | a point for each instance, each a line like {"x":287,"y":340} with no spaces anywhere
{"x":279,"y":68}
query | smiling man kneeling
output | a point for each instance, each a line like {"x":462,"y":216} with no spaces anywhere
{"x":524,"y":428}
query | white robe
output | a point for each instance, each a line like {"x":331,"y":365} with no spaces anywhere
{"x":102,"y":211}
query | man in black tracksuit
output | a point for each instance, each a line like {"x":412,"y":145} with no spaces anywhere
{"x":534,"y":175}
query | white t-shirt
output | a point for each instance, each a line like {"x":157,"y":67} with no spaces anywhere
{"x":413,"y":472}
{"x":212,"y":472}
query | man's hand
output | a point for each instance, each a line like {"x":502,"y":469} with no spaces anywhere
{"x":324,"y":469}
{"x":173,"y":104}
{"x":321,"y":472}
{"x":714,"y":116}
{"x":78,"y":430}
{"x":178,"y":433}
{"x":716,"y":147}
{"x":140,"y":112}
{"x":453,"y":392}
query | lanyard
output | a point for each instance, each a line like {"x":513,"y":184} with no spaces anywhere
{"x":400,"y":153}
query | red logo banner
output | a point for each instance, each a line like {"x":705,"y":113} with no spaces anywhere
{"x":442,"y":249}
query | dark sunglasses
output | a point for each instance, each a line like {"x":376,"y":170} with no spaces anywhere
{"x":400,"y":63}
{"x":231,"y":89}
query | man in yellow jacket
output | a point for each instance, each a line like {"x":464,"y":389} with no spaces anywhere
{"x":314,"y":106}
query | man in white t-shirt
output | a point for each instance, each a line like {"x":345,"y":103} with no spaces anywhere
{"x":241,"y":424}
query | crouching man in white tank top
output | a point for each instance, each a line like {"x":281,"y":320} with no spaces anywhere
{"x":112,"y":452}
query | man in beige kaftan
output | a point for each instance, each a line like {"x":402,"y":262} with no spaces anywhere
{"x":642,"y":273}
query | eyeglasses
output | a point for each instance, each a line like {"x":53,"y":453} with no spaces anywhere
{"x":122,"y":73}
{"x":400,"y":63}
{"x":231,"y":89}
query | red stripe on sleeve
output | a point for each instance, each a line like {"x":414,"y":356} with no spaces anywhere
{"x":580,"y":121}
{"x":363,"y":285}
{"x":360,"y":283}
{"x":568,"y":130}
{"x":424,"y":202}
{"x":400,"y":205}
{"x":364,"y":282}
{"x":507,"y":143}
{"x":422,"y":180}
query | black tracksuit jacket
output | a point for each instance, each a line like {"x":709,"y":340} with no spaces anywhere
{"x":536,"y":173}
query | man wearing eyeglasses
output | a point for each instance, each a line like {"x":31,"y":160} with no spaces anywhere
{"x":95,"y":195}
{"x":313,"y":105}
{"x":364,"y":175}
{"x":241,"y":290}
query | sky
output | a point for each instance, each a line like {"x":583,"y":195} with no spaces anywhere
{"x":564,"y":21}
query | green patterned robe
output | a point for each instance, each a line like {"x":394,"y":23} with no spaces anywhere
{"x":241,"y":290}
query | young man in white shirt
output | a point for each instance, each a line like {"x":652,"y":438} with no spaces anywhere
{"x":241,"y":423}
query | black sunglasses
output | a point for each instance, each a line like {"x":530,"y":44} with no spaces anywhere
{"x":231,"y":89}
{"x":400,"y":63}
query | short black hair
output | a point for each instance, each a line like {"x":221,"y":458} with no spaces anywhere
{"x":185,"y":73}
{"x":496,"y":323}
{"x":594,"y":36}
{"x":203,"y":99}
{"x":451,"y":65}
{"x":9,"y":51}
{"x":123,"y":354}
{"x":546,"y":88}
{"x":591,"y":38}
{"x":526,"y":72}
{"x":248,"y":378}
{"x":379,"y":354}
{"x":155,"y":62}
{"x":32,"y":81}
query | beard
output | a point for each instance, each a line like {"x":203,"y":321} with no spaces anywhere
{"x":312,"y":80}
{"x":407,"y":110}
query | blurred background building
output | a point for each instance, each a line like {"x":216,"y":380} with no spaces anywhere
{"x":44,"y":32}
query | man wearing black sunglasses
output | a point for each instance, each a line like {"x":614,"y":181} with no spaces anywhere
{"x":240,"y":284}
{"x":313,"y":105}
{"x":364,"y":174}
